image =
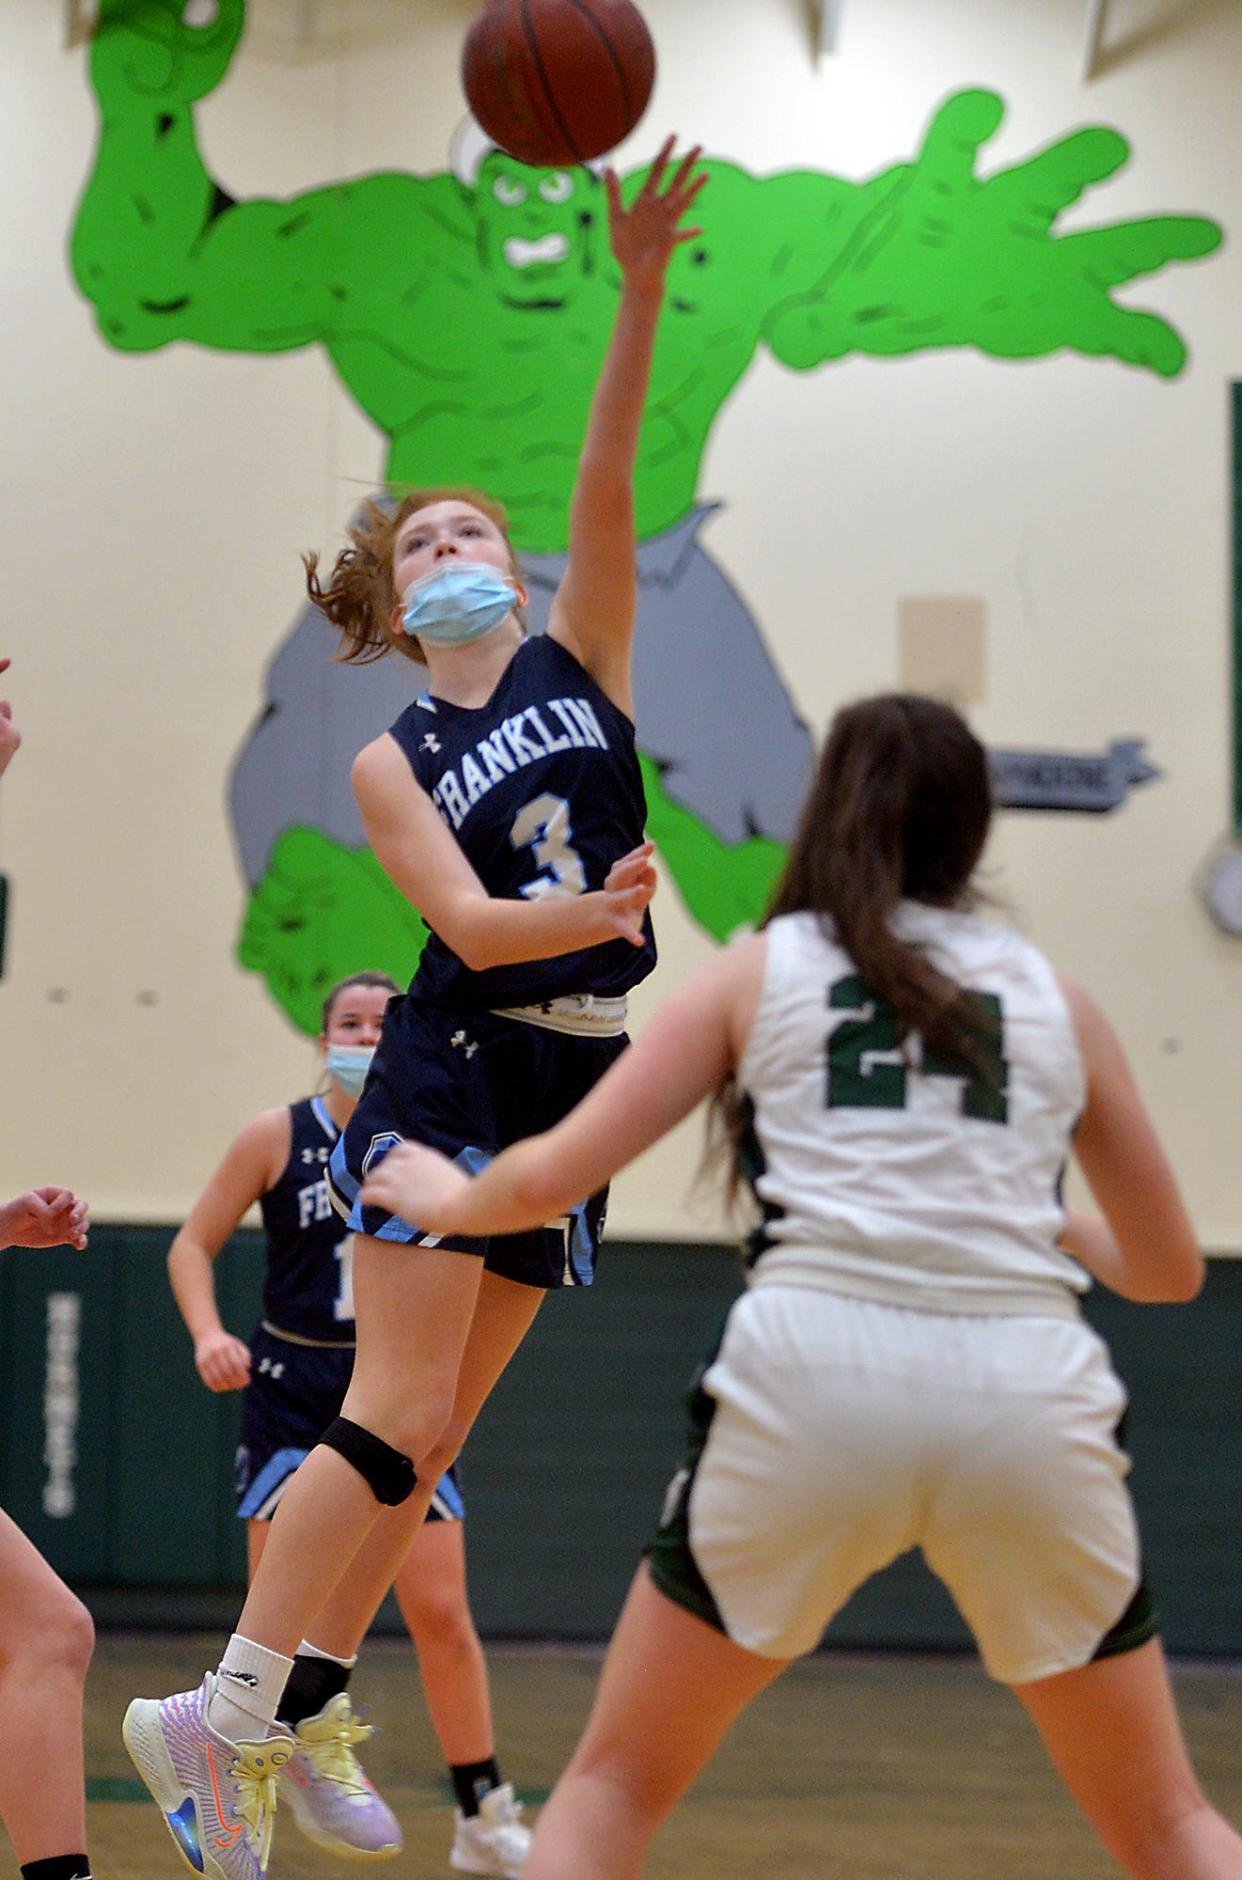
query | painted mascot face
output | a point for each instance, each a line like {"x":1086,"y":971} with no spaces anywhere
{"x":539,"y":231}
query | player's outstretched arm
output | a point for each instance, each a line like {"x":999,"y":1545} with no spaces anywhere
{"x":686,"y":1052}
{"x":252,"y":1166}
{"x":595,"y":607}
{"x":1145,"y":1247}
{"x":421,"y":858}
{"x":44,"y":1217}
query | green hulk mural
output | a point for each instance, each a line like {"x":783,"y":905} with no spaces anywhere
{"x":467,"y":312}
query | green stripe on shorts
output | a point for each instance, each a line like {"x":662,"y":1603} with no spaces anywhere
{"x":669,"y":1555}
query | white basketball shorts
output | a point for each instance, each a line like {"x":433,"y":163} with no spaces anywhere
{"x":830,"y":1434}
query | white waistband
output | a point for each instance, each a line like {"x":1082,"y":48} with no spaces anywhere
{"x":582,"y":1013}
{"x":799,"y":1266}
{"x":314,"y":1344}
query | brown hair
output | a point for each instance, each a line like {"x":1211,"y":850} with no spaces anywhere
{"x":899,"y":809}
{"x":354,"y":979}
{"x":360,"y":596}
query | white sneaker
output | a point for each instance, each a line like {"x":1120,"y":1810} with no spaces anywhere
{"x":217,"y":1797}
{"x":494,"y":1841}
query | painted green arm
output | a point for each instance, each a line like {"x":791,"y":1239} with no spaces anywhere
{"x":321,"y":912}
{"x":945,"y":258}
{"x":726,"y":886}
{"x":164,"y":253}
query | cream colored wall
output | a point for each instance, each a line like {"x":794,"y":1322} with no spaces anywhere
{"x":154,"y":506}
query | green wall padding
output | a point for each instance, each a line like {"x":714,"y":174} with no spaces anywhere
{"x":567,"y":1468}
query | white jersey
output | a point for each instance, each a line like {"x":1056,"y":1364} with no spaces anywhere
{"x":898,"y":1176}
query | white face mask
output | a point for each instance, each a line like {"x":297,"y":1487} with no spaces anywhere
{"x":348,"y":1065}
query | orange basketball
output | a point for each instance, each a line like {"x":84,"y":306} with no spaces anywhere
{"x":558,"y":81}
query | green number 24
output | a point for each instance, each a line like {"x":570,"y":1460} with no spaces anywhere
{"x":862,"y":1073}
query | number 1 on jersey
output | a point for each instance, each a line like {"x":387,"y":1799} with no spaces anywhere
{"x":343,"y":1304}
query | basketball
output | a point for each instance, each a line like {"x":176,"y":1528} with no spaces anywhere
{"x":558,"y":81}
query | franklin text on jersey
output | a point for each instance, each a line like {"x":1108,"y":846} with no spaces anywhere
{"x":542,"y":789}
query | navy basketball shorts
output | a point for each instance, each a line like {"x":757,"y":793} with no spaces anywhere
{"x":295,"y":1392}
{"x":470,"y":1084}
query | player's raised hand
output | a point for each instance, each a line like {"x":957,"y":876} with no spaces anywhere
{"x":223,"y":1361}
{"x":10,"y":736}
{"x":645,"y":233}
{"x":628,"y":889}
{"x":45,"y":1217}
{"x":419,"y":1184}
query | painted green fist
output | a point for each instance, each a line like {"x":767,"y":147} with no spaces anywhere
{"x":321,"y":912}
{"x":163,"y":53}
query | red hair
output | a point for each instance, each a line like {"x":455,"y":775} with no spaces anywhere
{"x":360,"y":597}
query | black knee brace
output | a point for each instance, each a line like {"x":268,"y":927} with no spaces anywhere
{"x":387,"y":1473}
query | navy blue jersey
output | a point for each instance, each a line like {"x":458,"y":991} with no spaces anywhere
{"x":308,"y":1289}
{"x":542,"y":789}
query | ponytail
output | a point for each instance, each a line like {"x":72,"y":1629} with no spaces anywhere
{"x":899,"y":809}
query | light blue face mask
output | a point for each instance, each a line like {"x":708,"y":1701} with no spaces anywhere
{"x":348,"y":1065}
{"x":457,"y":602}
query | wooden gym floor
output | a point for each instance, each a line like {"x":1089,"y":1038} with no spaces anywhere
{"x":875,"y":1768}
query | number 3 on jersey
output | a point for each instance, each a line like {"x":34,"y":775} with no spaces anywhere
{"x":543,"y":825}
{"x":867,"y":1069}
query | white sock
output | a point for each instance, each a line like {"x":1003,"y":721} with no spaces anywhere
{"x":307,"y":1650}
{"x":247,"y":1690}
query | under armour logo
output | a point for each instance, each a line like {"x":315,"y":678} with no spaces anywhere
{"x":467,"y":1044}
{"x":240,"y":1677}
{"x":314,"y":1155}
{"x":430,"y":743}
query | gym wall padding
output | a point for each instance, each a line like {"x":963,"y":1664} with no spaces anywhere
{"x":566,"y":1470}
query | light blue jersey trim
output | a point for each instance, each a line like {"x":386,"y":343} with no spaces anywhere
{"x":342,"y":1184}
{"x":448,"y":1500}
{"x":345,"y":1190}
{"x":582,"y":1246}
{"x":260,"y":1498}
{"x":320,"y":1113}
